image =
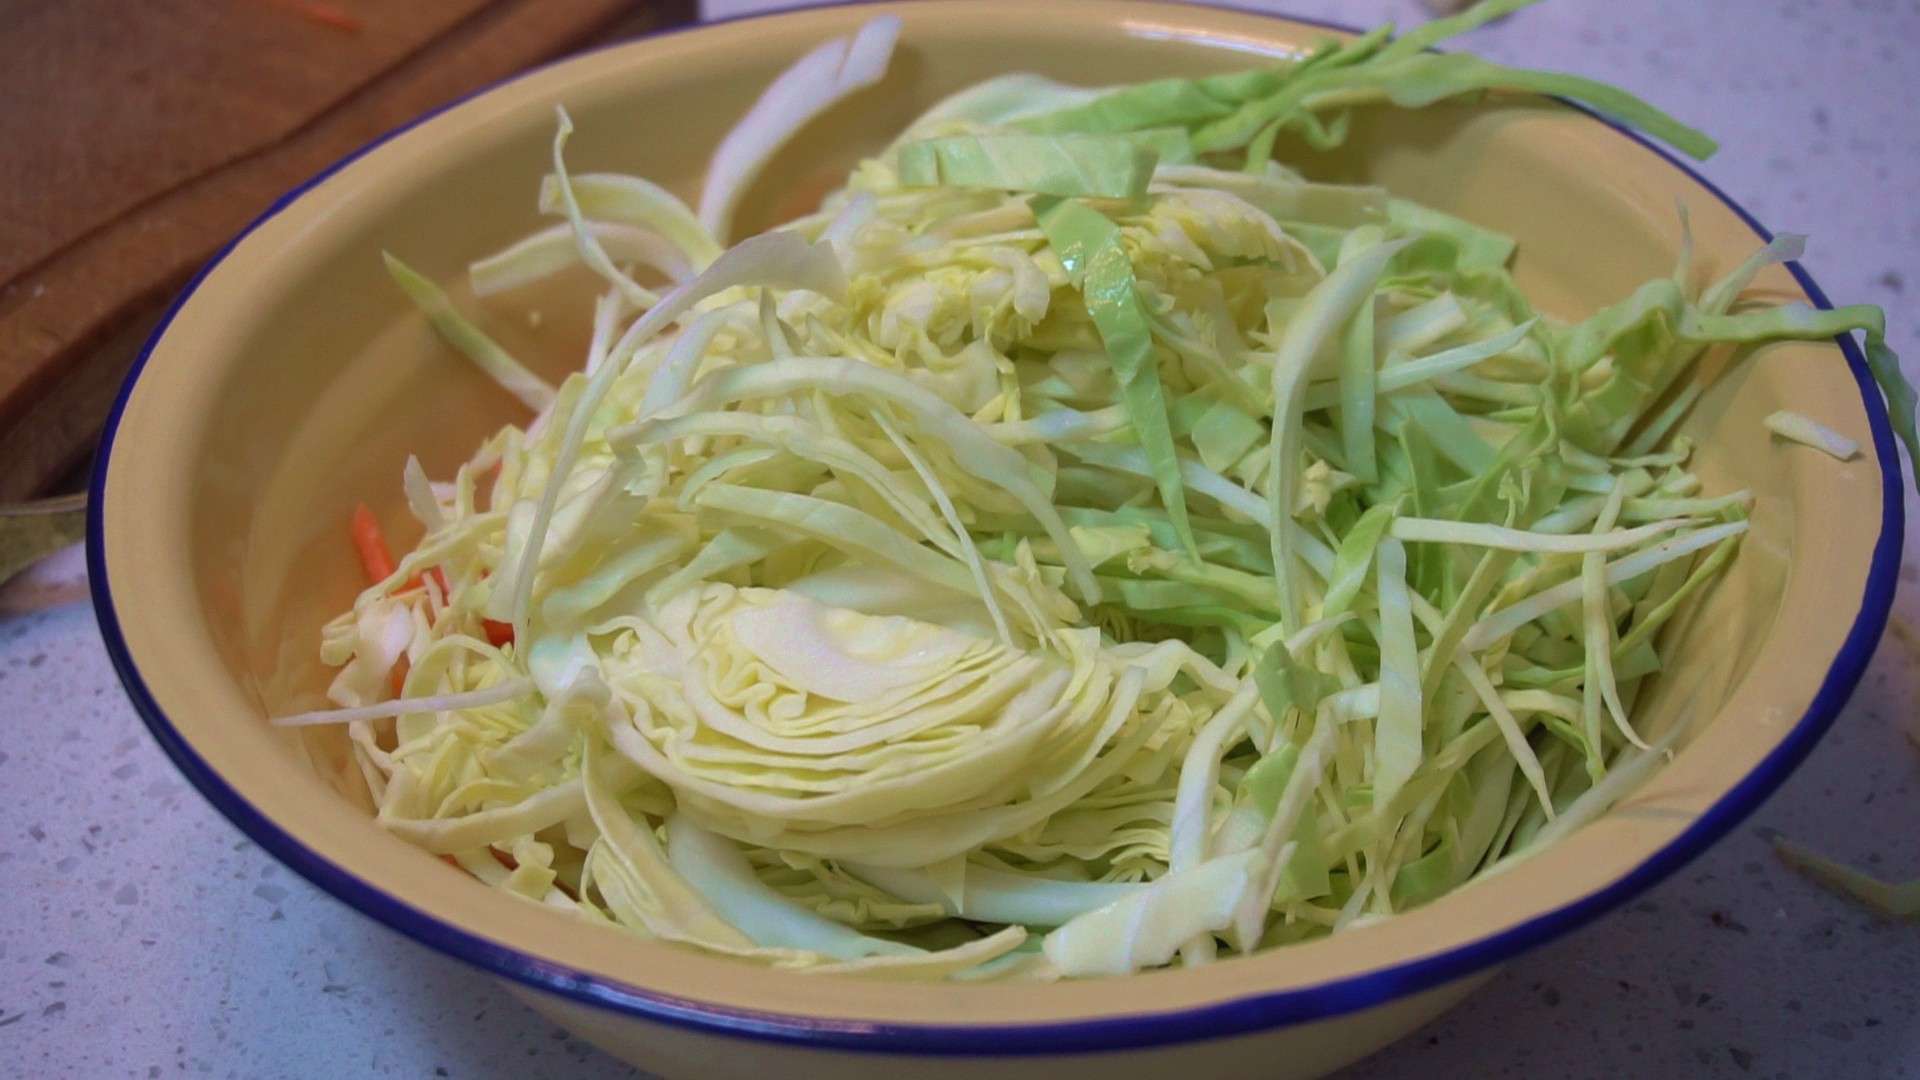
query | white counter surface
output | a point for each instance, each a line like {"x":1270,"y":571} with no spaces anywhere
{"x":141,"y":935}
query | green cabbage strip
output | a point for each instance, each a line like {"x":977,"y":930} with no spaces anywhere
{"x":1439,"y":30}
{"x":1099,"y":166}
{"x":1397,"y":737}
{"x":1003,"y":100}
{"x":1145,"y":929}
{"x":1161,"y":103}
{"x":1810,"y":432}
{"x":591,"y":252}
{"x":551,"y":250}
{"x":485,"y":353}
{"x":631,"y":200}
{"x":1331,"y":303}
{"x":821,"y":79}
{"x":1420,"y":79}
{"x":1802,"y":323}
{"x":990,"y":895}
{"x":1894,"y":901}
{"x":1089,"y":247}
{"x":1230,"y":114}
{"x":713,"y":866}
{"x":1081,"y":546}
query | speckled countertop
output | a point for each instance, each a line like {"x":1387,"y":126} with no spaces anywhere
{"x":141,"y":935}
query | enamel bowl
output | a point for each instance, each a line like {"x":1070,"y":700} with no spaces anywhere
{"x":291,"y":380}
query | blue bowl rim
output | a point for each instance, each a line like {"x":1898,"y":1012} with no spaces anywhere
{"x":1243,"y":1015}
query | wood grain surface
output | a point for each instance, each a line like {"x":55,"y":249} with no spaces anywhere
{"x":137,"y":138}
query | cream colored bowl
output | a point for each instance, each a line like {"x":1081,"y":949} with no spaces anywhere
{"x":291,"y":380}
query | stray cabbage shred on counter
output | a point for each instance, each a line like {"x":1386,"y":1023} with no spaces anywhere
{"x":1083,"y":545}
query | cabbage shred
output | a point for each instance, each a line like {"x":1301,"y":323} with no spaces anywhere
{"x":1082,"y":545}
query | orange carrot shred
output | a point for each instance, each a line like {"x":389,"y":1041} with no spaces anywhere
{"x":377,"y":562}
{"x":499,"y":634}
{"x":375,"y":558}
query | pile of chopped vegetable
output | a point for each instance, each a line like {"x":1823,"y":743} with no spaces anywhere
{"x":1081,"y":545}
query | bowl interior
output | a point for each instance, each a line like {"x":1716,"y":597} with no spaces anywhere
{"x":295,"y":381}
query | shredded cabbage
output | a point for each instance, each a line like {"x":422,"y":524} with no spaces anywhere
{"x":1810,"y":432}
{"x":1082,"y":526}
{"x":1900,"y":901}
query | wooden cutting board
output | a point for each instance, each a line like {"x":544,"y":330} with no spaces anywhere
{"x":136,"y":139}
